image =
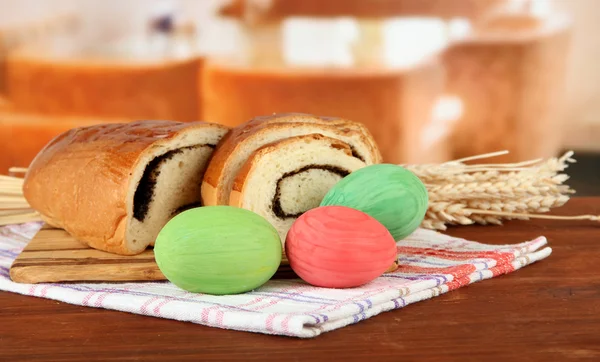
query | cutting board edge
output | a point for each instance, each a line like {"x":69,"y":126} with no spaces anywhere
{"x":24,"y":275}
{"x":63,"y":269}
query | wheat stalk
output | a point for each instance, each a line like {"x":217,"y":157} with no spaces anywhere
{"x":14,"y":208}
{"x":464,"y":194}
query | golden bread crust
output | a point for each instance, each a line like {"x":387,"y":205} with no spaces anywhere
{"x":81,"y":179}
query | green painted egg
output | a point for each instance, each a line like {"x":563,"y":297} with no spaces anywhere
{"x":218,"y":250}
{"x":389,"y":193}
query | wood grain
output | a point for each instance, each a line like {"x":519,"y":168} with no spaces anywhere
{"x":549,"y":311}
{"x":54,"y":256}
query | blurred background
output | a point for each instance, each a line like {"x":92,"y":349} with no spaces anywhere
{"x":434,"y":80}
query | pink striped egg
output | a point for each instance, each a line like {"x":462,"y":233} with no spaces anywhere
{"x":339,"y":247}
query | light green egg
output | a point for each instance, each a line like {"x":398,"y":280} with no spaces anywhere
{"x":218,"y":250}
{"x":391,"y":194}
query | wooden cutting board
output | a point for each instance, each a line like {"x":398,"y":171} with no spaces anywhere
{"x":54,"y":256}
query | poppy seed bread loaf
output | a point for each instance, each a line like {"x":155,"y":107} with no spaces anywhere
{"x":114,"y":186}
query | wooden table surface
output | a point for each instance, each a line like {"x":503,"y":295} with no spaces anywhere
{"x":548,"y":311}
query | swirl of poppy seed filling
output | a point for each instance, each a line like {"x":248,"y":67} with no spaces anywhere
{"x":276,"y":202}
{"x":145,"y":191}
{"x":355,"y":154}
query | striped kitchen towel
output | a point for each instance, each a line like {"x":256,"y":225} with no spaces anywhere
{"x":430,"y":264}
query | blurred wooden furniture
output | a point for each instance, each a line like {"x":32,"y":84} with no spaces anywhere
{"x":275,"y":10}
{"x":53,"y":80}
{"x":38,"y":80}
{"x":22,"y":33}
{"x":509,"y":71}
{"x":547,"y":311}
{"x":510,"y":74}
{"x":395,"y":104}
{"x":23,"y":135}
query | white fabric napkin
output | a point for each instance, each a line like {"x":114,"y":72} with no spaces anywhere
{"x":430,"y":264}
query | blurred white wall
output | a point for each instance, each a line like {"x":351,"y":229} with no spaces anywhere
{"x":103,"y":17}
{"x":584,"y":72}
{"x":13,"y":12}
{"x":583,"y":78}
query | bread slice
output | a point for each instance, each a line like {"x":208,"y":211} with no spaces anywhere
{"x":239,"y":144}
{"x":114,"y":186}
{"x":282,"y":180}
